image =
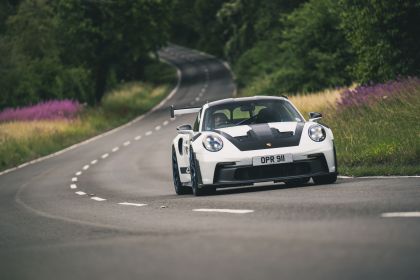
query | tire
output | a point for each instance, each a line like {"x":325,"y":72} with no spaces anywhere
{"x":180,"y":189}
{"x":195,"y":178}
{"x":297,"y":182}
{"x":325,"y":179}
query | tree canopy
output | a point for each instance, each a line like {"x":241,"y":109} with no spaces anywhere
{"x":80,"y":48}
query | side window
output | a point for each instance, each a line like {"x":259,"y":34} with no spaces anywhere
{"x":196,"y":126}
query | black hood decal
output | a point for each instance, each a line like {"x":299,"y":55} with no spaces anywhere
{"x":262,"y":136}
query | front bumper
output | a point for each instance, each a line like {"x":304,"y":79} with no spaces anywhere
{"x":228,"y":174}
{"x":235,"y":167}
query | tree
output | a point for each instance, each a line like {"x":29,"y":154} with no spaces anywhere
{"x":111,"y":35}
{"x":385,"y":36}
{"x":31,"y":69}
{"x":315,"y":52}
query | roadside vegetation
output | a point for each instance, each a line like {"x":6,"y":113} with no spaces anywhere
{"x":34,"y":131}
{"x":94,"y":52}
{"x":376,"y":128}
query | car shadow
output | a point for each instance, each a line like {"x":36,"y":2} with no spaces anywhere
{"x":250,"y":189}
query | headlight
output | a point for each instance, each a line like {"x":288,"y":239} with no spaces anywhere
{"x":317,"y":133}
{"x":212,"y":143}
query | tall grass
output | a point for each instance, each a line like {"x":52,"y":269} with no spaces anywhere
{"x":21,"y":141}
{"x":380,"y":132}
{"x":376,"y":128}
{"x":317,"y":102}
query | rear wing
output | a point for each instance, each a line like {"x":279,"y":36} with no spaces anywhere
{"x":183,"y":111}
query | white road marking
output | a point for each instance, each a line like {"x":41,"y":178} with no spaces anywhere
{"x":94,"y":161}
{"x":158,"y":127}
{"x":115,"y":149}
{"x":197,"y":99}
{"x":149,"y":133}
{"x":86,"y":167}
{"x":97,"y":198}
{"x":165,"y":123}
{"x":132,"y":204}
{"x":104,"y":156}
{"x":137,"y":138}
{"x":80,"y":193}
{"x":126,"y":143}
{"x":73,"y":186}
{"x":401,"y":215}
{"x":74,"y":179}
{"x":232,"y":211}
{"x":78,"y":173}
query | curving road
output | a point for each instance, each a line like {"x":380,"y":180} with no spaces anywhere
{"x":106,"y":209}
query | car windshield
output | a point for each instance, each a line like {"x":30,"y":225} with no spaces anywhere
{"x":249,"y":112}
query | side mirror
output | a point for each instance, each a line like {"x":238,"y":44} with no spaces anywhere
{"x":314,"y":116}
{"x":185,"y":129}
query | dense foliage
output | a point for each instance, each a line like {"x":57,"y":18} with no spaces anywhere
{"x":74,"y":48}
{"x":385,"y":36}
{"x":77,"y":49}
{"x":300,"y":46}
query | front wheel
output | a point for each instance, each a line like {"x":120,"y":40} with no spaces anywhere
{"x":325,"y":179}
{"x":180,"y":189}
{"x":194,"y":171}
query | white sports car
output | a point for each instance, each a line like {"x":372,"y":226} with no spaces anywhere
{"x":242,"y":141}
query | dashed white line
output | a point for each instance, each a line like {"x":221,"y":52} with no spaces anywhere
{"x":78,"y":173}
{"x":158,"y":127}
{"x":86,"y":167}
{"x":94,"y":161}
{"x":97,"y":198}
{"x":401,"y":215}
{"x":137,"y":138}
{"x":73,"y":186}
{"x":149,"y":133}
{"x":126,"y":143}
{"x":74,"y":179}
{"x":80,"y":193}
{"x":115,"y":149}
{"x":232,"y":211}
{"x":132,"y":204}
{"x":104,"y":156}
{"x":197,"y":99}
{"x":165,"y":123}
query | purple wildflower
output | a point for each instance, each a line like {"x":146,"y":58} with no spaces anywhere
{"x":368,"y":95}
{"x":49,"y":110}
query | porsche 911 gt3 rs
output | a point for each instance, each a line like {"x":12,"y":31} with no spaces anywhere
{"x":242,"y":141}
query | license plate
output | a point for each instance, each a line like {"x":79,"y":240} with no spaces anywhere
{"x":273,"y":159}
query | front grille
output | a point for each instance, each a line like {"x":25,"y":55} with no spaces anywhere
{"x":272,"y":171}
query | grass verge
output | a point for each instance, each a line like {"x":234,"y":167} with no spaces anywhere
{"x":374,"y":138}
{"x":27,"y":140}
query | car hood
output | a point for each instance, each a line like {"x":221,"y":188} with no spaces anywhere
{"x":263,"y":136}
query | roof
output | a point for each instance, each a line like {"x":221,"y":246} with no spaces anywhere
{"x":241,"y":99}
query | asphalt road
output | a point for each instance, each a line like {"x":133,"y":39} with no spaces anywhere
{"x":119,"y":218}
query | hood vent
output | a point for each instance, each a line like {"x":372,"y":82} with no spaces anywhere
{"x":261,"y":134}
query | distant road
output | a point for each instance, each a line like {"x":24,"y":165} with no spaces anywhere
{"x":107,"y":210}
